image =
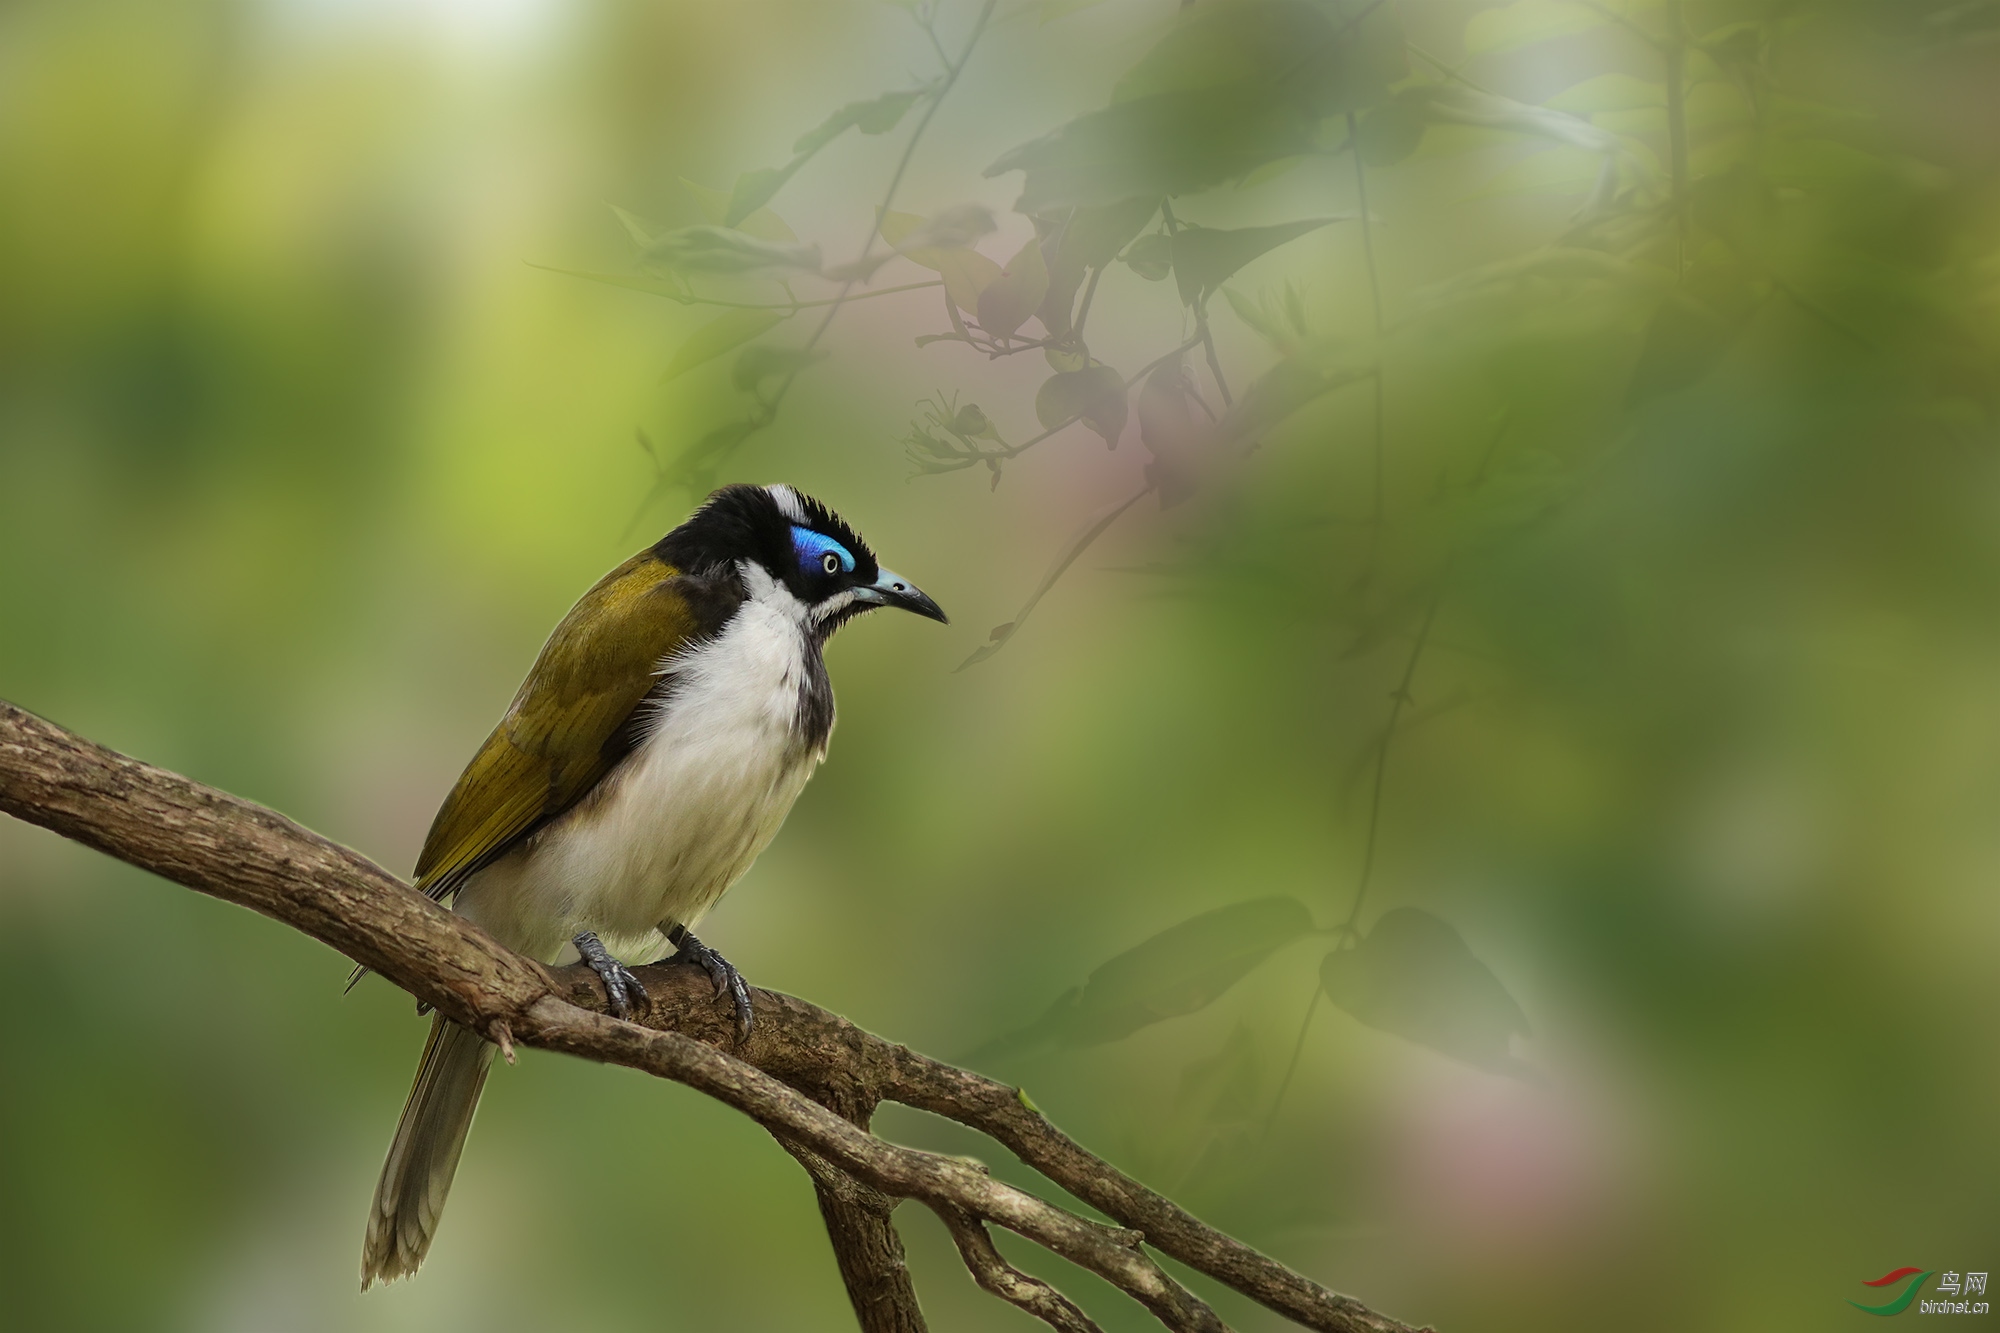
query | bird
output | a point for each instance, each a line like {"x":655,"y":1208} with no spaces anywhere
{"x":653,"y":751}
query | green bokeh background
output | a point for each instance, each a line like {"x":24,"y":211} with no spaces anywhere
{"x":301,"y":456}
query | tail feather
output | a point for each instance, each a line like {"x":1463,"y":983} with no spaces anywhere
{"x":417,"y":1176}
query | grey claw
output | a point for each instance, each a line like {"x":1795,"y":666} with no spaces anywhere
{"x":619,"y":983}
{"x":721,"y":974}
{"x":740,"y":993}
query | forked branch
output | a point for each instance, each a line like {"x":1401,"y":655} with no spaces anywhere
{"x":799,"y":1062}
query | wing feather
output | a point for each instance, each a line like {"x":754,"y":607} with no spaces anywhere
{"x":567,"y":726}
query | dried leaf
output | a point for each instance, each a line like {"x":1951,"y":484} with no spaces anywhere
{"x":1005,"y":303}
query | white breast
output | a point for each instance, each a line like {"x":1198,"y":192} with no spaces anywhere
{"x":680,"y":820}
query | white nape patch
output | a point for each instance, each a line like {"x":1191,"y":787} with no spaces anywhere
{"x":789,"y":503}
{"x":765,"y":590}
{"x":660,"y":839}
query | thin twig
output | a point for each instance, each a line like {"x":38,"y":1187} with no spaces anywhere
{"x":1379,"y":510}
{"x":1010,"y":1284}
{"x":1298,"y":1050}
{"x":1398,"y":701}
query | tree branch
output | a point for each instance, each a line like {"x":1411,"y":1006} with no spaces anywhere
{"x":1009,"y":1283}
{"x":859,"y":1226}
{"x":245,"y":854}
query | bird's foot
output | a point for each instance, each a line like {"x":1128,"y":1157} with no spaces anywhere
{"x":688,"y":949}
{"x":620,"y":986}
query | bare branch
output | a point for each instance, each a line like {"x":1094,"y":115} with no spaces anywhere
{"x":243,"y":853}
{"x":1007,"y":1282}
{"x":865,"y":1246}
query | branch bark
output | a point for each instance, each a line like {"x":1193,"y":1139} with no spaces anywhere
{"x":859,"y":1225}
{"x":799,"y":1060}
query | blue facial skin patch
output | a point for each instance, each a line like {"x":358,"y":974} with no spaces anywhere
{"x":812,"y":545}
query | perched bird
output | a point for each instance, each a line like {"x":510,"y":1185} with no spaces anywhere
{"x":653,"y":751}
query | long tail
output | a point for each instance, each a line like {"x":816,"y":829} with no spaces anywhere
{"x":423,"y":1157}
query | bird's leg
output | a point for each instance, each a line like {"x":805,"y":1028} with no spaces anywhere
{"x":688,"y":949}
{"x":619,"y":983}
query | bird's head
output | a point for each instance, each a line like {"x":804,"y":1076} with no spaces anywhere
{"x":791,"y":549}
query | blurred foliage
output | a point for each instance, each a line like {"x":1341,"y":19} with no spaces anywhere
{"x":1558,"y":575}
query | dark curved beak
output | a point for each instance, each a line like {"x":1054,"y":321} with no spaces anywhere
{"x":892,"y":589}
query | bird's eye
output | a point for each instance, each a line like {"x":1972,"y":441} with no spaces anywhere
{"x":830,"y":563}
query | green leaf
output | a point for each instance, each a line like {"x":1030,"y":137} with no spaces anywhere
{"x":763,"y":224}
{"x":713,"y":203}
{"x":1609,"y":92}
{"x":1271,"y":171}
{"x":878,"y":115}
{"x":1206,"y":257}
{"x":1178,"y":971}
{"x":760,"y":362}
{"x":1390,"y":132}
{"x":1449,"y":104}
{"x":1095,"y":393}
{"x":1683,"y":339}
{"x":1092,"y":237}
{"x":754,"y":189}
{"x":1233,"y":87}
{"x":1216,"y":44}
{"x":1172,"y":144}
{"x":1277,"y":394}
{"x":1526,"y":22}
{"x":1066,"y":356}
{"x":1077,"y":241}
{"x":723,"y":250}
{"x":1277,"y":317}
{"x":639,"y":229}
{"x":729,"y":330}
{"x":1293,"y":50}
{"x":1253,"y":315}
{"x":1413,"y":976}
{"x":652,"y":286}
{"x":1006,"y":302}
{"x":1051,"y":10}
{"x":1152,"y":257}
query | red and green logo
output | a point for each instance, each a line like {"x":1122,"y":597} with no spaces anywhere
{"x":1916,"y":1278}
